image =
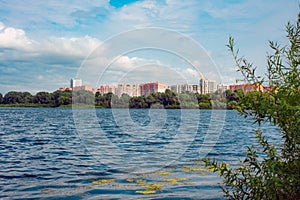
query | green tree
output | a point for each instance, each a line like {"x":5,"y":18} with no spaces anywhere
{"x":123,"y":101}
{"x":99,"y":100}
{"x":26,"y":97}
{"x":231,"y":96}
{"x":203,"y":97}
{"x":83,"y":97}
{"x":11,"y":97}
{"x":170,"y":99}
{"x":14,"y":97}
{"x":59,"y":98}
{"x":42,"y":98}
{"x":188,"y":100}
{"x":55,"y":98}
{"x":275,"y":175}
{"x":107,"y":99}
{"x":151,"y":100}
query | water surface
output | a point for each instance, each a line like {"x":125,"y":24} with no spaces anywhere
{"x":45,"y":154}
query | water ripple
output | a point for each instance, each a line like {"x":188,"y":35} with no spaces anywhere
{"x":43,"y":157}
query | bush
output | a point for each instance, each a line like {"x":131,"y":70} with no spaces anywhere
{"x":276,"y":175}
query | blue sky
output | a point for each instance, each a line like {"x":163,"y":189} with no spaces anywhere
{"x":44,"y":43}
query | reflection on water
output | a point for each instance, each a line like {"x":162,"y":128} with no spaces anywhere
{"x":147,"y":154}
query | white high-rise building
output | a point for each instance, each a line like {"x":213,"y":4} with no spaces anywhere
{"x":222,"y":87}
{"x":207,"y":86}
{"x":75,"y":82}
{"x":185,"y":88}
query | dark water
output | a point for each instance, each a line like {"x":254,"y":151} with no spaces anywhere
{"x":118,"y":154}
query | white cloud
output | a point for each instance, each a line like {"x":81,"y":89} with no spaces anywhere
{"x":77,"y":47}
{"x":13,"y":38}
{"x":60,"y":48}
{"x":177,"y":15}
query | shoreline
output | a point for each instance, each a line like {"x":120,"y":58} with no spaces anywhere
{"x":70,"y":106}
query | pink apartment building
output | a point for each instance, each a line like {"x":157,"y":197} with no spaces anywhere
{"x":149,"y":88}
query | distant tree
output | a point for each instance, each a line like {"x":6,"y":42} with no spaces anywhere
{"x":188,"y":100}
{"x":107,"y":99}
{"x":66,"y":98}
{"x":122,"y":102}
{"x":138,"y":102}
{"x":83,"y":97}
{"x":203,"y":97}
{"x":1,"y":98}
{"x":99,"y":100}
{"x":151,"y":100}
{"x":231,"y":96}
{"x":59,"y":98}
{"x":26,"y":98}
{"x":204,"y":105}
{"x":14,"y":97}
{"x":11,"y":97}
{"x":55,"y":98}
{"x":218,"y":104}
{"x":42,"y":98}
{"x":170,"y":100}
{"x":125,"y":97}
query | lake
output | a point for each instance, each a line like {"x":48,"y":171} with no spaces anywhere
{"x":52,"y":153}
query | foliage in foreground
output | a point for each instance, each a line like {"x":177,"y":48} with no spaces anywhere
{"x":276,"y":174}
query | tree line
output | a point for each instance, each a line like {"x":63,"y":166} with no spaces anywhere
{"x":167,"y":99}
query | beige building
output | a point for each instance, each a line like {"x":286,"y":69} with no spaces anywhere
{"x":85,"y":87}
{"x":132,"y":90}
{"x":104,"y":89}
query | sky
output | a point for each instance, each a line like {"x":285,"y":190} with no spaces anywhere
{"x":43,"y":44}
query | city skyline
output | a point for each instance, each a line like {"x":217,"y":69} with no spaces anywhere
{"x":205,"y":86}
{"x":44,"y":43}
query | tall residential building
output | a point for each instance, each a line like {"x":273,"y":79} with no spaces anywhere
{"x":85,"y":87}
{"x":104,"y":89}
{"x":149,"y":88}
{"x":75,"y":82}
{"x":222,"y":87}
{"x":185,"y":88}
{"x":207,"y":86}
{"x":130,"y":89}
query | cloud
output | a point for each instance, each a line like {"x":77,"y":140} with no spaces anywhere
{"x":177,"y":15}
{"x":70,"y":50}
{"x":126,"y":69}
{"x":54,"y":37}
{"x":50,"y":50}
{"x":150,"y":73}
{"x":39,"y":59}
{"x":13,"y":38}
